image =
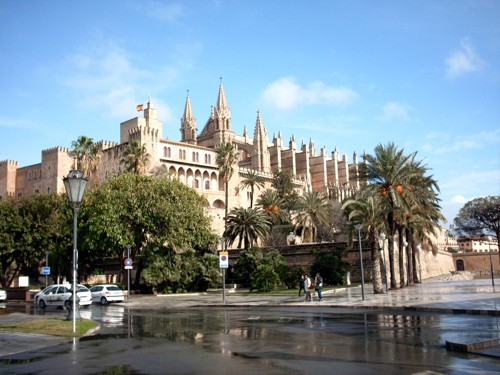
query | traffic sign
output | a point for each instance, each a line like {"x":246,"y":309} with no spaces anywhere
{"x":45,"y":270}
{"x":128,"y":263}
{"x":223,"y":259}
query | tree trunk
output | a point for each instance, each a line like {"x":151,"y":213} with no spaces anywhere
{"x":401,"y":257}
{"x":409,"y":255}
{"x":378,"y":287}
{"x":391,"y":250}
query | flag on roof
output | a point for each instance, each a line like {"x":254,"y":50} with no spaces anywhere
{"x":139,"y":107}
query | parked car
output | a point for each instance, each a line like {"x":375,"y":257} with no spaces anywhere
{"x":106,"y":293}
{"x":3,"y":295}
{"x":59,"y":295}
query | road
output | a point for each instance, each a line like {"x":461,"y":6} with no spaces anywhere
{"x":174,"y":337}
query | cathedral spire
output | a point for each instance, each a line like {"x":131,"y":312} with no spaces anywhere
{"x":261,"y":159}
{"x":188,"y":123}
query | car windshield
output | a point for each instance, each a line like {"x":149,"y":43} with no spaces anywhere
{"x":82,"y":288}
{"x":113,"y":288}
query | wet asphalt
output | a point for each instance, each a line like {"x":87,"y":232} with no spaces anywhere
{"x":442,"y":327}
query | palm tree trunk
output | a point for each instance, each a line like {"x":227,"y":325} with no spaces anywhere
{"x":378,"y":288}
{"x":409,"y":255}
{"x":392,"y":269}
{"x":226,"y":188}
{"x":401,"y":257}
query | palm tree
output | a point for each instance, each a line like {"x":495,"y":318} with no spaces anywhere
{"x":226,"y":158}
{"x":86,"y":153}
{"x":364,"y":209}
{"x":313,"y":209}
{"x":248,"y":225}
{"x":388,"y":172}
{"x":252,"y":180}
{"x":135,"y":158}
{"x":273,"y":206}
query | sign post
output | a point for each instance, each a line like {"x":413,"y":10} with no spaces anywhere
{"x":128,"y":266}
{"x":223,"y":263}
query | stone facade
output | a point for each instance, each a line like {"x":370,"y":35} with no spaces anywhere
{"x":193,"y":160}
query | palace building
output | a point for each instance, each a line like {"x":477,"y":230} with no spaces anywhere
{"x":192,"y":160}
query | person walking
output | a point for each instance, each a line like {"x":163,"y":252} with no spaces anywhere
{"x":301,"y":284}
{"x":307,"y":286}
{"x":318,"y":282}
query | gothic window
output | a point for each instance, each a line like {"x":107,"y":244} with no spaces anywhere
{"x":197,"y":184}
{"x":207,"y":185}
{"x":165,"y":152}
{"x":29,"y":176}
{"x":169,"y":152}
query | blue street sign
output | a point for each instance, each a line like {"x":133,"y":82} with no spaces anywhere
{"x":45,"y":270}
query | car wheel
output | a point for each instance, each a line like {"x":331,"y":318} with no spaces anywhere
{"x":104,"y":301}
{"x":42,"y":303}
{"x":68,"y":304}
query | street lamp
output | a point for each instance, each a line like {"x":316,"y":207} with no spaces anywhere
{"x":75,"y":184}
{"x":419,"y":248}
{"x":488,"y":238}
{"x":382,"y":237}
{"x":358,"y":228}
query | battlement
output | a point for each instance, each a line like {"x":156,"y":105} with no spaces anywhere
{"x":103,"y":145}
{"x":143,"y":130}
{"x":54,"y":150}
{"x":9,"y":162}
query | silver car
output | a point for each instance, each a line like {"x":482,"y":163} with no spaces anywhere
{"x":3,"y":295}
{"x":59,"y":295}
{"x":106,"y":293}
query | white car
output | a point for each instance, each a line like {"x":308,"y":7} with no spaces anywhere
{"x":59,"y":295}
{"x":106,"y":293}
{"x":3,"y":295}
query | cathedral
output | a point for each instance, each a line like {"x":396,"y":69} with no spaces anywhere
{"x":193,"y":160}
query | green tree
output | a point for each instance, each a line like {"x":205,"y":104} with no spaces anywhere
{"x":135,"y":158}
{"x":387,"y":171}
{"x":313,"y":209}
{"x":331,"y":266}
{"x":477,"y":217}
{"x":274,"y":206}
{"x":146,"y":212}
{"x":252,"y":180}
{"x":285,"y":187}
{"x":226,"y":159}
{"x":248,"y":225}
{"x":86,"y":153}
{"x":364,"y":210}
{"x":29,"y":228}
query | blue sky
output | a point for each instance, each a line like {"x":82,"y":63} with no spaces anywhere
{"x":348,"y":74}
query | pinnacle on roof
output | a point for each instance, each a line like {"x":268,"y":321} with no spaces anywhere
{"x":188,"y":112}
{"x":221,"y":99}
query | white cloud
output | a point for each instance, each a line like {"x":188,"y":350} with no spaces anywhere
{"x":458,"y":199}
{"x":104,"y":77}
{"x":471,"y":142}
{"x":285,"y":93}
{"x":167,"y":12}
{"x":393,"y":111}
{"x":462,"y":61}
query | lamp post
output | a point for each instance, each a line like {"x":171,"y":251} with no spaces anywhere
{"x":75,"y":184}
{"x":419,"y":248}
{"x":382,"y":237}
{"x":358,"y":227}
{"x":223,"y":247}
{"x":488,"y":238}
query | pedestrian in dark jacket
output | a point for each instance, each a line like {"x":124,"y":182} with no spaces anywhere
{"x":318,"y":283}
{"x":301,"y":284}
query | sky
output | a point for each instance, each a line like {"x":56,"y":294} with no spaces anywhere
{"x":349,"y":75}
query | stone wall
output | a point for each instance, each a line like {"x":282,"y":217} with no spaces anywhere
{"x":477,"y":263}
{"x":304,"y":255}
